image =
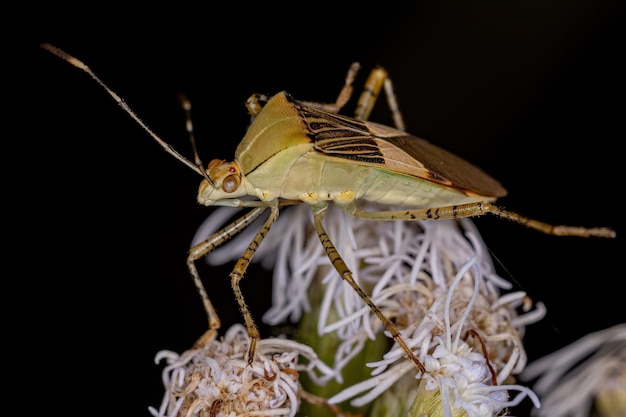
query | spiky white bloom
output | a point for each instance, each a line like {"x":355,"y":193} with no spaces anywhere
{"x":435,"y":280}
{"x":586,"y":374}
{"x":216,"y":380}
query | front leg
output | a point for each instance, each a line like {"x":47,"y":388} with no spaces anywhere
{"x":235,"y":276}
{"x":202,"y":249}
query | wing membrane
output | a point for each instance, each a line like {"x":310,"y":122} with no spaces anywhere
{"x":383,"y":147}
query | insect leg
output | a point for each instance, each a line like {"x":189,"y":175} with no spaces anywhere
{"x":346,"y":275}
{"x":203,"y":248}
{"x":377,"y":80}
{"x":237,"y":274}
{"x":344,"y":94}
{"x":346,"y":91}
{"x":478,"y":209}
{"x":253,"y":104}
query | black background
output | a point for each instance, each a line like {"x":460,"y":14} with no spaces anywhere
{"x":530,"y":91}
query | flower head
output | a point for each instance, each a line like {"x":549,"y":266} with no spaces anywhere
{"x":434,"y":279}
{"x":216,"y":380}
{"x":589,"y":373}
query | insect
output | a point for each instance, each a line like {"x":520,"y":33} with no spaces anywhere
{"x":305,"y":152}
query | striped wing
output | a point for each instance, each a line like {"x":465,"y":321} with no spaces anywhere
{"x":383,"y":147}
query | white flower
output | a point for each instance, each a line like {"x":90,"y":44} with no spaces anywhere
{"x":589,"y":373}
{"x":216,"y":381}
{"x":458,"y":375}
{"x":434,"y":279}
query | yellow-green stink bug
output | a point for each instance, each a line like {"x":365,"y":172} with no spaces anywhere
{"x":305,"y":152}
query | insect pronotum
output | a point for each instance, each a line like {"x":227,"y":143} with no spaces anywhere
{"x":305,"y":152}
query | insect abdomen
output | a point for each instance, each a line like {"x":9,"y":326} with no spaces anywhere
{"x":312,"y":178}
{"x":387,"y":187}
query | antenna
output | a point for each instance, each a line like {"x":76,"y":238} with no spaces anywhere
{"x":166,"y":146}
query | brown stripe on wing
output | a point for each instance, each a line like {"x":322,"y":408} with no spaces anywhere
{"x":387,"y":148}
{"x":358,"y":149}
{"x":339,"y":136}
{"x":323,"y":125}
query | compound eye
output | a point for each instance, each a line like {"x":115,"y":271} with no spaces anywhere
{"x":230,"y":183}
